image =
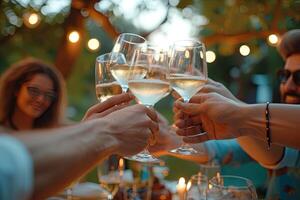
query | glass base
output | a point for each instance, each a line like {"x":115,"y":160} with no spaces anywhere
{"x":144,"y":157}
{"x":185,"y":150}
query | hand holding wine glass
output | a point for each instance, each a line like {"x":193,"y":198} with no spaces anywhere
{"x":188,"y":74}
{"x":152,"y":87}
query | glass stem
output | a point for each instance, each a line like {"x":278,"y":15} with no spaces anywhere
{"x":110,"y":197}
{"x":124,"y":89}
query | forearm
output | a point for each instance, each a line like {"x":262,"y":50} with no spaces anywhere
{"x":62,"y":155}
{"x":257,"y":149}
{"x":283,"y":119}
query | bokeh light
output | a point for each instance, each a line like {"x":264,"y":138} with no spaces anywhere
{"x":31,"y":20}
{"x":74,"y":36}
{"x":93,"y":44}
{"x":210,"y":56}
{"x":244,"y":50}
{"x":273,"y":39}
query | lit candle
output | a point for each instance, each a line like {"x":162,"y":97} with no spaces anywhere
{"x":181,"y":188}
{"x":121,"y":166}
{"x":219,"y":178}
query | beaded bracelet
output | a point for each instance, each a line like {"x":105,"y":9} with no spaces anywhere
{"x":268,"y":130}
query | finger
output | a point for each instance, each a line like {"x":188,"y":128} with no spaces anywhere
{"x":115,"y":100}
{"x":175,"y":95}
{"x":195,"y":120}
{"x":178,"y":115}
{"x":180,"y":123}
{"x":189,"y":131}
{"x":114,"y":108}
{"x":152,"y":114}
{"x":175,"y":109}
{"x":208,"y":88}
{"x":198,"y":98}
{"x":154,"y":127}
{"x":190,"y":108}
{"x":197,"y":139}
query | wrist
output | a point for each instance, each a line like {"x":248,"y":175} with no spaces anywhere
{"x":252,"y":120}
{"x":105,"y":142}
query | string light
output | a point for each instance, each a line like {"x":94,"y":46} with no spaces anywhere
{"x":74,"y":36}
{"x":93,"y":44}
{"x":31,"y":20}
{"x":186,"y":54}
{"x":273,"y":39}
{"x":210,"y":56}
{"x":244,"y":50}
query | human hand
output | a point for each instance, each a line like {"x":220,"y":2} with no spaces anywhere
{"x":217,"y":115}
{"x":168,"y":139}
{"x":219,"y":88}
{"x":133,"y":127}
{"x":112,"y":104}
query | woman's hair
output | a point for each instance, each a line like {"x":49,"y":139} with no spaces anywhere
{"x":19,"y":73}
{"x":289,"y":43}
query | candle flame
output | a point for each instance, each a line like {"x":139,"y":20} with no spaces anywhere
{"x":121,"y":163}
{"x":187,"y":54}
{"x":188,"y":186}
{"x":181,"y":181}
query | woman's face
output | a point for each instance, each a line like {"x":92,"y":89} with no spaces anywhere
{"x":35,"y":96}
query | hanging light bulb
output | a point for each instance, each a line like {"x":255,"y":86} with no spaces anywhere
{"x":74,"y":36}
{"x":244,"y":50}
{"x":31,"y":20}
{"x":273,"y":39}
{"x":210,"y":56}
{"x":93,"y":44}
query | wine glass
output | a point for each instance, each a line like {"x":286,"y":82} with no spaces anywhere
{"x":126,"y":44}
{"x":231,"y":187}
{"x":210,"y":169}
{"x":196,"y":187}
{"x":109,"y":177}
{"x":188,"y":74}
{"x":106,"y":85}
{"x":150,"y":87}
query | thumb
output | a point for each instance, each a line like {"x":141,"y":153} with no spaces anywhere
{"x":191,"y":108}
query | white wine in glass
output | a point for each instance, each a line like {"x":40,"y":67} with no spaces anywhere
{"x":106,"y":90}
{"x":149,"y":91}
{"x":106,"y":85}
{"x":127,"y":44}
{"x":188,"y":74}
{"x":186,"y":85}
{"x":121,"y":73}
{"x":151,"y":88}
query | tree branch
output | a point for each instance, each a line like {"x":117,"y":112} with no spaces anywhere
{"x":103,"y":21}
{"x":68,"y":52}
{"x":238,"y":38}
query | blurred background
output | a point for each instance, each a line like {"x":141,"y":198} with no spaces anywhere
{"x":240,"y":36}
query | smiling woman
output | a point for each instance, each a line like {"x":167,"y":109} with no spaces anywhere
{"x":32,"y":96}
